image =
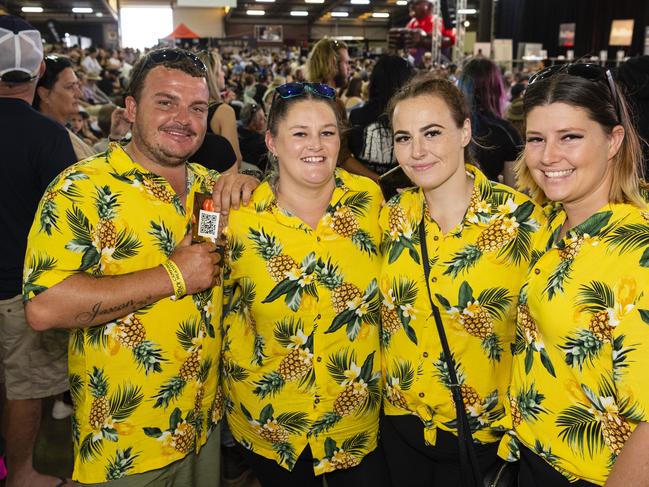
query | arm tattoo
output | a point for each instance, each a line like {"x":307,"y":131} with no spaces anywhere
{"x":87,"y":317}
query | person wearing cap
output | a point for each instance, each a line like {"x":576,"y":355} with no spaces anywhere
{"x":251,"y":130}
{"x":111,"y":259}
{"x":33,"y":365}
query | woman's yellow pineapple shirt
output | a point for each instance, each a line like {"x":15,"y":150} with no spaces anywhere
{"x":301,"y":362}
{"x":579,"y":383}
{"x":476,"y":271}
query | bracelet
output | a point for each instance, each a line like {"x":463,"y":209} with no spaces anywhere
{"x":177,"y":281}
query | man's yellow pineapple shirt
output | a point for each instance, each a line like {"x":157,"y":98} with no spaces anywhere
{"x":579,"y":379}
{"x":476,"y":271}
{"x":144,"y":386}
{"x":301,"y":360}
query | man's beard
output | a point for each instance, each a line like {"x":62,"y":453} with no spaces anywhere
{"x":160,"y":154}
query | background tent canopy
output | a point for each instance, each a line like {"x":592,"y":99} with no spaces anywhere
{"x":183,"y":32}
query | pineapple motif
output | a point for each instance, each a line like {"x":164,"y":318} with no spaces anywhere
{"x":397,"y":221}
{"x":297,"y":365}
{"x":100,"y":408}
{"x":527,"y":323}
{"x":360,"y":389}
{"x":267,"y":246}
{"x":344,"y":222}
{"x":121,"y":465}
{"x":400,"y":378}
{"x":602,"y":419}
{"x":105,"y":232}
{"x":277,"y":430}
{"x":616,"y":431}
{"x":218,"y":406}
{"x":476,"y":315}
{"x":397,"y":309}
{"x":572,"y":248}
{"x":343,"y":295}
{"x":497,"y":235}
{"x":184,"y":437}
{"x":158,"y":190}
{"x":517,"y":417}
{"x":190,"y":367}
{"x":189,"y":334}
{"x":343,"y":219}
{"x":481,"y":411}
{"x":508,"y":235}
{"x":600,"y":326}
{"x":526,"y":405}
{"x":198,"y":401}
{"x":348,"y":455}
{"x":130,"y":332}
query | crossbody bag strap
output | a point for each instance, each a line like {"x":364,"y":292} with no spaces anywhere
{"x":471,"y":470}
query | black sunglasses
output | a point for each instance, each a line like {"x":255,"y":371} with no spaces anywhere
{"x":291,"y":90}
{"x":172,"y":55}
{"x":591,"y":72}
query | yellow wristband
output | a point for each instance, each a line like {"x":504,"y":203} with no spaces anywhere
{"x":177,"y":281}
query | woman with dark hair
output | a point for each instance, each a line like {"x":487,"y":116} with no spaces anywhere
{"x":370,"y":138}
{"x":352,"y":96}
{"x":579,"y":398}
{"x":58,"y":95}
{"x":302,"y":356}
{"x":497,"y":143}
{"x":477,"y":235}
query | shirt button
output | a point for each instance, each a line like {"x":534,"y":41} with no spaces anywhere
{"x":319,"y":359}
{"x":318,"y":317}
{"x":537,"y":271}
{"x":434,"y":279}
{"x":421,"y":394}
{"x":435,"y":238}
{"x":318,"y":239}
{"x":425,"y":354}
{"x":316,"y":401}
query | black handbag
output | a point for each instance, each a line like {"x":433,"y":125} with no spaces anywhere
{"x":506,"y":473}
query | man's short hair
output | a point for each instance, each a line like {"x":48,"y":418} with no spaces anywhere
{"x":179,"y":59}
{"x":21,"y":50}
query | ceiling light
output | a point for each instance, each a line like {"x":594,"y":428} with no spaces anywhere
{"x":313,"y":1}
{"x":467,"y":23}
{"x":265,"y":1}
{"x":467,"y":11}
{"x":255,"y":12}
{"x":380,"y":15}
{"x":299,"y":13}
{"x":359,"y":2}
{"x":81,"y":10}
{"x":402,"y":2}
{"x":340,"y":14}
{"x":99,"y":14}
{"x":32,"y":10}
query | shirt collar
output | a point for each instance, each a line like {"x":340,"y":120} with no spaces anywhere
{"x":592,"y":227}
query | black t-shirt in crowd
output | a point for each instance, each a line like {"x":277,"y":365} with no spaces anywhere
{"x":253,"y":147}
{"x":215,"y":152}
{"x":35,"y":149}
{"x":498,"y":142}
{"x":370,"y":138}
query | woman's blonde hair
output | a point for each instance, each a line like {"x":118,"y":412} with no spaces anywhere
{"x":596,"y":98}
{"x":322,"y":64}
{"x":212,"y":61}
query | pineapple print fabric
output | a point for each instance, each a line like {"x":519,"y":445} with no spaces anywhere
{"x":579,"y":376}
{"x":144,"y":386}
{"x":301,"y":360}
{"x":476,"y":271}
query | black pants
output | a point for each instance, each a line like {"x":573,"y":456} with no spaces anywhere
{"x":412,"y":463}
{"x":371,"y":472}
{"x":536,"y":472}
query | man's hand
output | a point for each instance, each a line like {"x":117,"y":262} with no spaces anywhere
{"x":231,"y":189}
{"x":200,"y":264}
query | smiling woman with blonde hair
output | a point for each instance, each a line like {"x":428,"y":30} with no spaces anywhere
{"x":579,"y":398}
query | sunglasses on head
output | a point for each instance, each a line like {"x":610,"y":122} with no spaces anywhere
{"x":291,"y":90}
{"x":591,"y":72}
{"x":172,"y":55}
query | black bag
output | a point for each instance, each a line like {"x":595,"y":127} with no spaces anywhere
{"x":505,"y":474}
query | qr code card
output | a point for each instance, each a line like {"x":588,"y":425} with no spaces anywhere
{"x":205,"y":221}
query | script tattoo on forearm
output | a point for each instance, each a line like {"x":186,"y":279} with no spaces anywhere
{"x":87,"y":317}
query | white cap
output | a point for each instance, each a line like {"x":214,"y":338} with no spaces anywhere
{"x":21,"y":47}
